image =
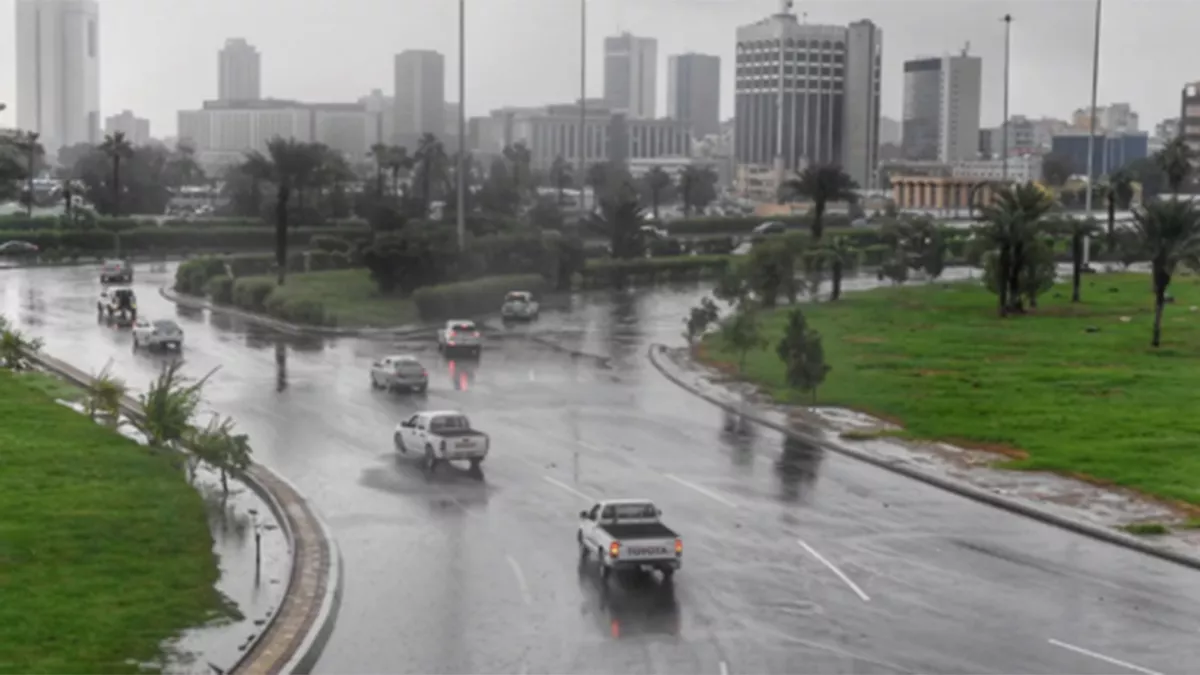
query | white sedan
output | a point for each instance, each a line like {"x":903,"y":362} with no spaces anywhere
{"x":519,"y":305}
{"x":161,"y":334}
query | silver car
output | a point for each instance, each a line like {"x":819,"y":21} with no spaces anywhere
{"x":403,"y":371}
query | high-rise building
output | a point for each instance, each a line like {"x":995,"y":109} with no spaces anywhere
{"x":694,"y":92}
{"x":420,"y":96}
{"x":631,"y":75}
{"x":239,"y":72}
{"x":830,"y":91}
{"x":941,"y":108}
{"x":58,"y":71}
{"x":1114,"y":118}
{"x":1189,"y":116}
{"x":136,"y":129}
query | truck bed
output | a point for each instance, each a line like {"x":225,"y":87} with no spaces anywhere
{"x":456,"y":433}
{"x":629,"y":531}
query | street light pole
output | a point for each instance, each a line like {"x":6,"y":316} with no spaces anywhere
{"x":1007,"y":59}
{"x":1092,"y":133}
{"x":784,"y":5}
{"x":461,"y":211}
{"x":582,"y":110}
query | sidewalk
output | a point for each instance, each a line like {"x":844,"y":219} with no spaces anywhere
{"x":1091,"y":510}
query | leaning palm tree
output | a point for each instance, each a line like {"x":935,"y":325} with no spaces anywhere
{"x":1169,"y":233}
{"x":1010,"y":224}
{"x":28,"y":144}
{"x":118,"y":148}
{"x":655,"y":183}
{"x":1118,"y":193}
{"x":169,"y":405}
{"x":822,"y":184}
{"x":1175,"y":160}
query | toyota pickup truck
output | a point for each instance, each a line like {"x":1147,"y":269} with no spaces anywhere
{"x":441,"y":436}
{"x":459,"y":334}
{"x":626,"y":534}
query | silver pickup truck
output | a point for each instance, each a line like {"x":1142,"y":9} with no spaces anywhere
{"x":626,"y":534}
{"x":441,"y":436}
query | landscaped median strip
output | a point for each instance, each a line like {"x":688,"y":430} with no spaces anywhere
{"x":293,"y":639}
{"x":657,"y":355}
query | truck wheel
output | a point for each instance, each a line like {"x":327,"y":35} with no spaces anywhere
{"x":398,"y":441}
{"x":475,"y":465}
{"x":430,"y":459}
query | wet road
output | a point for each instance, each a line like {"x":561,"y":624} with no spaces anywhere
{"x":795,"y":561}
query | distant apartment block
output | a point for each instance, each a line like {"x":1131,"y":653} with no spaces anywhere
{"x":420,"y":96}
{"x":1114,"y":118}
{"x":631,"y":75}
{"x":941,"y":108}
{"x":136,"y":129}
{"x":694,"y":92}
{"x":239,"y":71}
{"x":58,"y":71}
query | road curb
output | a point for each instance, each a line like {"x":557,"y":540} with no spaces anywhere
{"x":960,"y":488}
{"x":293,"y":638}
{"x":286,"y":327}
{"x":604,"y":361}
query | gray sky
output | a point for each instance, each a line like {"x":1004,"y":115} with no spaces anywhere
{"x":159,"y":56}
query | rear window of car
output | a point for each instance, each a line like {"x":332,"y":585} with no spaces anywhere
{"x":166,"y":326}
{"x":408,"y":366}
{"x":463,"y":326}
{"x":448,"y":422}
{"x":516,"y":297}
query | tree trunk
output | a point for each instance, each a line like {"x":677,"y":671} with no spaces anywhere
{"x":117,"y":185}
{"x":281,"y":226}
{"x":1161,"y":279}
{"x":1016,"y":264}
{"x":29,"y":183}
{"x":1003,"y":262}
{"x":560,"y":193}
{"x":1111,"y":234}
{"x":1076,"y":264}
{"x":654,"y":203}
{"x":836,"y":279}
{"x":817,"y":226}
{"x":224,"y":482}
{"x":379,"y":180}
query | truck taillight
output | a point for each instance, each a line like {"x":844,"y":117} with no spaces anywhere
{"x":452,"y":334}
{"x":614,"y":549}
{"x":678,"y":547}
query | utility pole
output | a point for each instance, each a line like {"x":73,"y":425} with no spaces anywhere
{"x":582,"y":112}
{"x":461,"y":211}
{"x":1087,"y":243}
{"x":1007,"y":59}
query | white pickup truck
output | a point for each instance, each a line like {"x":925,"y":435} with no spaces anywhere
{"x":626,"y":534}
{"x":441,"y":436}
{"x":459,"y":334}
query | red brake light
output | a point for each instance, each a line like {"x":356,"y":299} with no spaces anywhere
{"x":451,"y":334}
{"x":678,"y":547}
{"x":614,"y":549}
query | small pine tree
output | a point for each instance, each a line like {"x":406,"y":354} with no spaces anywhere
{"x":743,"y":333}
{"x":802,"y":354}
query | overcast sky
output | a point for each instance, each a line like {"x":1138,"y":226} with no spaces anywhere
{"x":159,"y":56}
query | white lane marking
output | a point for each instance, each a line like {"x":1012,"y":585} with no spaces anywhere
{"x":1101,"y":657}
{"x":512,"y":562}
{"x":702,"y":490}
{"x":724,"y":668}
{"x":568,"y":488}
{"x":833,"y":568}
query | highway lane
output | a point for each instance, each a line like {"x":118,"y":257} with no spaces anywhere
{"x":459,"y":575}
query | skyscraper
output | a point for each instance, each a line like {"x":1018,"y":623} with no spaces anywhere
{"x":58,"y":71}
{"x":694,"y":92}
{"x":420,"y":96}
{"x":941,"y":108}
{"x":830,"y":91}
{"x":239,"y":72}
{"x":631,"y":75}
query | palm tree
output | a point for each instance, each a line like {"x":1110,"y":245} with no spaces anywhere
{"x":1077,"y":231}
{"x":28,"y":143}
{"x":1175,"y":160}
{"x":822,"y":184}
{"x":598,"y":176}
{"x":15,"y":347}
{"x":839,"y":253}
{"x":220,"y":447}
{"x":288,"y":164}
{"x":1118,"y":192}
{"x":656,"y":182}
{"x":168,"y":406}
{"x":104,"y":396}
{"x":561,"y":175}
{"x":379,"y":152}
{"x":399,"y":162}
{"x":621,"y":216}
{"x":1011,"y":222}
{"x":118,"y":148}
{"x":1169,"y":232}
{"x":431,"y":159}
{"x":519,"y":159}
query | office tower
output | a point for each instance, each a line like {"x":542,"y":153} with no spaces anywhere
{"x":58,"y":71}
{"x":694,"y":92}
{"x":136,"y":129}
{"x":941,"y":108}
{"x":239,"y":72}
{"x":631,"y":75}
{"x":420,"y":98}
{"x":830,"y":96}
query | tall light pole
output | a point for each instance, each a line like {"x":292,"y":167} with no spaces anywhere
{"x":784,"y":6}
{"x":1087,"y":243}
{"x":461,"y":211}
{"x":582,"y":109}
{"x":1007,"y":59}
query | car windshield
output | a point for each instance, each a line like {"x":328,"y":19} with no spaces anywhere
{"x":449,"y":422}
{"x":166,"y":326}
{"x":466,"y":327}
{"x":123,"y":293}
{"x":516,"y":297}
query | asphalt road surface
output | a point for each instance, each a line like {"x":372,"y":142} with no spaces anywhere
{"x":795,"y":561}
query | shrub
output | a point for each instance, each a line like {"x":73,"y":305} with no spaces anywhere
{"x":603,"y":273}
{"x":262,"y":265}
{"x":320,"y":261}
{"x":141,"y":239}
{"x":251,"y":294}
{"x":192,"y":277}
{"x":303,"y":311}
{"x":330,"y":244}
{"x":472,"y":298}
{"x":220,"y":289}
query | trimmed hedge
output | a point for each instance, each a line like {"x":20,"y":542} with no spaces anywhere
{"x":744,"y":225}
{"x":472,"y":298}
{"x":161,"y":239}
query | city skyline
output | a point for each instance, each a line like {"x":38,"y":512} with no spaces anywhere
{"x":1051,"y":56}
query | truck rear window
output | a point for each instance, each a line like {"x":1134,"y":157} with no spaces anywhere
{"x":628,"y":511}
{"x":465,"y":327}
{"x":449,"y":422}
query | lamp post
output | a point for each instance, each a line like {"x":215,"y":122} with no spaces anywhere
{"x":257,"y":544}
{"x":1007,"y":59}
{"x":582,"y":110}
{"x":1092,"y":133}
{"x":462,"y":126}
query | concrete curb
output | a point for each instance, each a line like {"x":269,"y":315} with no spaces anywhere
{"x":949,"y":485}
{"x":290,"y":328}
{"x":294,"y":637}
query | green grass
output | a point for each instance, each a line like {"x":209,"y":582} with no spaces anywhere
{"x":1147,"y":529}
{"x":54,"y":387}
{"x":351,"y":297}
{"x":105,"y":549}
{"x":1103,"y":405}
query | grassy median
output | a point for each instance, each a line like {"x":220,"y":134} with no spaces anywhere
{"x":105,"y":550}
{"x":350,"y":296}
{"x":1040,"y":388}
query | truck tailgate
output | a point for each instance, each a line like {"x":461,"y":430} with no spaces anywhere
{"x":647,"y":549}
{"x":465,"y":445}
